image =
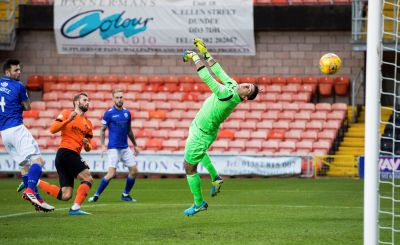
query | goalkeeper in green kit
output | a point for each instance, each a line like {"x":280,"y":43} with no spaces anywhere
{"x":204,"y":128}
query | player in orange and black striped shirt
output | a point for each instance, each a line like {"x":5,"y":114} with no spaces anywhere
{"x":76,"y":133}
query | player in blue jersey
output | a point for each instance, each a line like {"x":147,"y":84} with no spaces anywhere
{"x":18,"y":141}
{"x":118,"y":121}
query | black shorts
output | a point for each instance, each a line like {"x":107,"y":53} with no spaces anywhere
{"x":69,"y":164}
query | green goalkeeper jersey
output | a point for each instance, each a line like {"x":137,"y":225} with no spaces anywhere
{"x":221,"y":103}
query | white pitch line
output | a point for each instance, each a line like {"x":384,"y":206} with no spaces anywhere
{"x":185,"y":204}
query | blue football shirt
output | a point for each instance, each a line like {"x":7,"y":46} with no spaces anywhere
{"x":12,"y":94}
{"x":118,"y":122}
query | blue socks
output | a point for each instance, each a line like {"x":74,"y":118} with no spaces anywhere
{"x":129,"y":184}
{"x":35,"y":171}
{"x":103,"y":184}
{"x":25,"y":180}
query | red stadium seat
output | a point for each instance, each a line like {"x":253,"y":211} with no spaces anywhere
{"x":170,"y":144}
{"x":264,"y":80}
{"x":65,"y":79}
{"x":236,"y":145}
{"x":35,"y":83}
{"x":270,"y":145}
{"x":293,"y":107}
{"x":339,"y":107}
{"x":278,"y":134}
{"x":243,"y":134}
{"x":220,"y":145}
{"x":95,"y":79}
{"x":31,"y":114}
{"x":325,"y":85}
{"x":336,"y":115}
{"x":323,"y":107}
{"x":291,"y":88}
{"x":259,"y":134}
{"x":104,"y":87}
{"x":319,"y":116}
{"x":38,"y":105}
{"x":265,"y":124}
{"x":307,"y":107}
{"x":302,"y":116}
{"x":140,"y":79}
{"x":333,"y":124}
{"x":301,"y":97}
{"x":298,"y":124}
{"x":274,"y":88}
{"x":286,"y":97}
{"x":327,"y":135}
{"x":278,"y":80}
{"x":168,"y":124}
{"x":157,"y":115}
{"x":287,"y":145}
{"x":189,"y":97}
{"x":179,"y":134}
{"x":270,"y":97}
{"x":274,"y":106}
{"x":153,"y":144}
{"x":48,"y":114}
{"x":254,"y":145}
{"x":313,"y":81}
{"x":270,"y":115}
{"x":322,"y":145}
{"x":293,"y":134}
{"x":286,"y":115}
{"x":226,"y":134}
{"x":161,"y":133}
{"x":294,"y":81}
{"x":156,"y":79}
{"x":304,"y":146}
{"x":311,"y":135}
{"x":80,"y":79}
{"x":231,"y":124}
{"x":186,"y":79}
{"x":247,"y":125}
{"x":315,"y":125}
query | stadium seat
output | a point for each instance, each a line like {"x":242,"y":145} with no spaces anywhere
{"x":286,"y":97}
{"x":254,"y":145}
{"x":293,"y":107}
{"x":101,"y":105}
{"x":65,"y":79}
{"x":302,"y":116}
{"x":231,"y":124}
{"x":236,"y":145}
{"x":31,"y":114}
{"x":264,"y":124}
{"x":220,"y":145}
{"x":48,"y":114}
{"x":104,"y":87}
{"x":186,"y":79}
{"x":156,"y":79}
{"x":184,"y":124}
{"x":311,"y":135}
{"x":270,"y":145}
{"x":94,"y":114}
{"x":179,"y":134}
{"x":323,"y":107}
{"x":327,"y":134}
{"x":323,"y":145}
{"x":80,"y":79}
{"x":278,"y":134}
{"x":238,"y":115}
{"x":247,"y":125}
{"x":35,"y":83}
{"x":170,"y":144}
{"x":315,"y":125}
{"x":307,"y":107}
{"x":167,"y":124}
{"x":339,"y":107}
{"x":308,"y":88}
{"x":274,"y":88}
{"x":336,"y":115}
{"x":319,"y":116}
{"x":291,"y":88}
{"x":325,"y":85}
{"x":293,"y":134}
{"x":270,"y":97}
{"x":259,"y":134}
{"x":144,"y":115}
{"x":141,"y":79}
{"x":298,"y":124}
{"x":286,"y":115}
{"x":148,"y":106}
{"x":301,"y":97}
{"x":341,"y":85}
{"x":153,"y":144}
{"x":259,"y":107}
{"x":226,"y":134}
{"x":189,"y":115}
{"x":95,"y":79}
{"x":270,"y":115}
{"x":278,"y":80}
{"x":333,"y":124}
{"x":254,"y":116}
{"x":294,"y":81}
{"x":264,"y":80}
{"x":274,"y":106}
{"x":200,"y":88}
{"x":175,"y":114}
{"x":189,"y":97}
{"x":243,"y":134}
{"x":38,"y":105}
{"x":157,"y":115}
{"x":144,"y":134}
{"x":304,"y":146}
{"x":287,"y":146}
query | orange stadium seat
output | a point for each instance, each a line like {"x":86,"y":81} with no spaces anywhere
{"x":144,"y":134}
{"x":65,"y":79}
{"x":339,"y":107}
{"x":179,"y":134}
{"x":140,"y":79}
{"x":189,"y":97}
{"x":312,"y":81}
{"x":278,"y":134}
{"x":153,"y":144}
{"x":226,"y":134}
{"x":156,"y":79}
{"x":157,"y":115}
{"x":31,"y":113}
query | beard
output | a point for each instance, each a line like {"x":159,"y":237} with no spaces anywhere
{"x":83,"y":108}
{"x":119,"y":104}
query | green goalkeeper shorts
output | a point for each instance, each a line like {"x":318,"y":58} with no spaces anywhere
{"x":197,"y":144}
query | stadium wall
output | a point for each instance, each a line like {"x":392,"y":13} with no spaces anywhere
{"x":279,"y":53}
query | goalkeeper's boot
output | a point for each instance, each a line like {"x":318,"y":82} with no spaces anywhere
{"x":77,"y":212}
{"x":201,"y":46}
{"x":216,"y":186}
{"x":195,"y":209}
{"x":186,"y":55}
{"x":21,"y":187}
{"x":94,"y":198}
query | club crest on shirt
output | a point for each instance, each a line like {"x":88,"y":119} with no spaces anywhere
{"x":126,"y":115}
{"x":4,"y":84}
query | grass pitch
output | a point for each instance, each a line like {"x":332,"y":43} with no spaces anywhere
{"x":247,"y":211}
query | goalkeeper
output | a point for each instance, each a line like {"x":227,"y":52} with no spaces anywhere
{"x":204,"y":128}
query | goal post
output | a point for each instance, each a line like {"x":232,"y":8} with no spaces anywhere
{"x":372,"y":121}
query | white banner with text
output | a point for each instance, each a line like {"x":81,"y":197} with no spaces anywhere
{"x":173,"y":164}
{"x":153,"y":26}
